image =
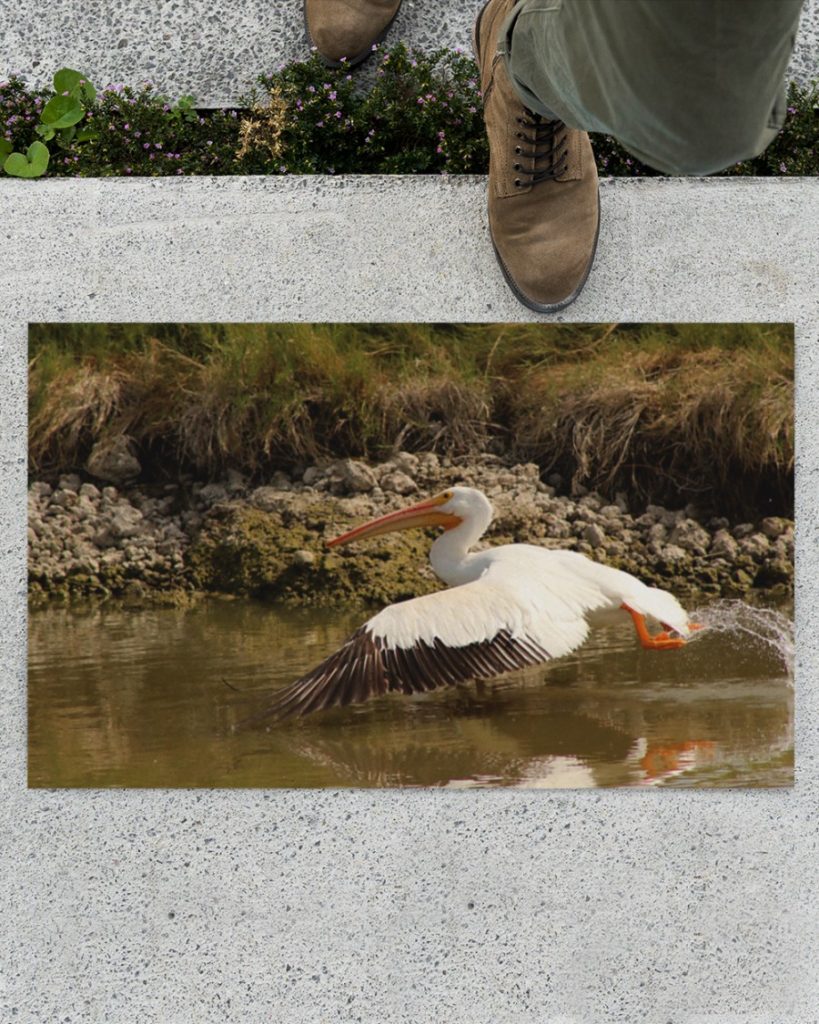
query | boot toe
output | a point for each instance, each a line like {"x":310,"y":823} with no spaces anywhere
{"x":341,"y":32}
{"x":546,"y":261}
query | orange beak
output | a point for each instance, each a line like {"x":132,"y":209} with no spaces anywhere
{"x":425,"y":513}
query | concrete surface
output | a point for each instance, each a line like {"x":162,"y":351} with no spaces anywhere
{"x":419,"y":907}
{"x":389,"y":248}
{"x":215,"y":51}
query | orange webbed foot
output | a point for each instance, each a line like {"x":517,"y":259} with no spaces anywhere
{"x":662,"y":642}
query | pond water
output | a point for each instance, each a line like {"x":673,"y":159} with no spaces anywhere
{"x":151,"y":698}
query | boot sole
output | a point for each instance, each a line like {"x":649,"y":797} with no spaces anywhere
{"x":536,"y":307}
{"x":351,"y":62}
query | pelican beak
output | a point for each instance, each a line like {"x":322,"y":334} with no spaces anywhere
{"x":425,"y":513}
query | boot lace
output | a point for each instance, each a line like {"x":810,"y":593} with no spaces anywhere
{"x":546,"y":144}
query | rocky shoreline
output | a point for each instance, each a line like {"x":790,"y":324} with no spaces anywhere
{"x":169,"y":544}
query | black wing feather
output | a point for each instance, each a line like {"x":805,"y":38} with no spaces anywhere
{"x":365,"y":666}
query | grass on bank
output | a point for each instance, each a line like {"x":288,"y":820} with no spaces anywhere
{"x":408,"y":113}
{"x":668,"y":413}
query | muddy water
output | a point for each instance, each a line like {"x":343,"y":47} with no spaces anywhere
{"x":150,"y":698}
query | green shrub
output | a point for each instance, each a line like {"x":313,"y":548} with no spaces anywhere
{"x":410,"y":113}
{"x":422,"y":115}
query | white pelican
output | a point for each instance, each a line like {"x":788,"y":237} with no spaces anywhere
{"x":509,"y":607}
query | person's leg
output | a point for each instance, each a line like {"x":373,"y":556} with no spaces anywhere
{"x":687,"y":86}
{"x":347,"y":29}
{"x":543,"y":204}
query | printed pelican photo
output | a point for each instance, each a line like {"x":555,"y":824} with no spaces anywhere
{"x":538,"y":555}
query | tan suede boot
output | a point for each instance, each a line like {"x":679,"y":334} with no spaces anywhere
{"x":544,"y":208}
{"x":347,"y":28}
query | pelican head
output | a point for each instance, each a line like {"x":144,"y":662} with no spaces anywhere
{"x":449,"y":510}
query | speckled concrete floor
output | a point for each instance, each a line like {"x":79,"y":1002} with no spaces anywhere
{"x":215,"y":52}
{"x":386,"y":907}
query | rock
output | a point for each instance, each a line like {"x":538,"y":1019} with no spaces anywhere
{"x":113,"y":461}
{"x":266,"y":498}
{"x":211,"y":493}
{"x":126,"y":522}
{"x":90,"y":492}
{"x":69,"y":482}
{"x":64,"y":499}
{"x":356,"y":477}
{"x":594,"y":536}
{"x":281,"y":481}
{"x":406,"y":462}
{"x":85,"y":508}
{"x":773,"y":527}
{"x":690,"y":536}
{"x":398,"y":483}
{"x":267,"y":540}
{"x":723,"y":545}
{"x":757,"y":545}
{"x":556,"y":527}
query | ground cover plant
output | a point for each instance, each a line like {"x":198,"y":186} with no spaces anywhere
{"x":667,"y":413}
{"x":412,"y":113}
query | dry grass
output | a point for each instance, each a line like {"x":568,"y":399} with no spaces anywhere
{"x":670,"y":413}
{"x":708,"y":425}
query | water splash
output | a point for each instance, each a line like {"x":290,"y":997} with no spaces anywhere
{"x":768,"y":628}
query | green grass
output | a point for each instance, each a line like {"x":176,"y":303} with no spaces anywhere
{"x":670,"y":413}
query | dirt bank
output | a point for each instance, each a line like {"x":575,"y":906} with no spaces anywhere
{"x":169,"y":544}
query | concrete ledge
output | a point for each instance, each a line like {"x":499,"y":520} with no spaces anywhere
{"x":215,"y":51}
{"x":512,"y":907}
{"x":390,"y":248}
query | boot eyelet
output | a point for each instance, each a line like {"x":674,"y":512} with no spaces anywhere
{"x":517,"y":167}
{"x":518,"y":183}
{"x":518,"y":149}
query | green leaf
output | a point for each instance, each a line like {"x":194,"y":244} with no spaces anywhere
{"x":86,"y":134}
{"x":62,"y":112}
{"x":75,"y":84}
{"x":31,"y":165}
{"x":5,"y":148}
{"x":45,"y":132}
{"x":66,"y":80}
{"x":65,"y":135}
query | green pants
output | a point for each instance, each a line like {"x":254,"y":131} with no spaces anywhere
{"x":687,"y":86}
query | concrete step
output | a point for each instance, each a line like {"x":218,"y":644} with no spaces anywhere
{"x":215,"y":51}
{"x":391,"y":248}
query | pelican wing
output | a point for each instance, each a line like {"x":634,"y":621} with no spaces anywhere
{"x":504,"y":621}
